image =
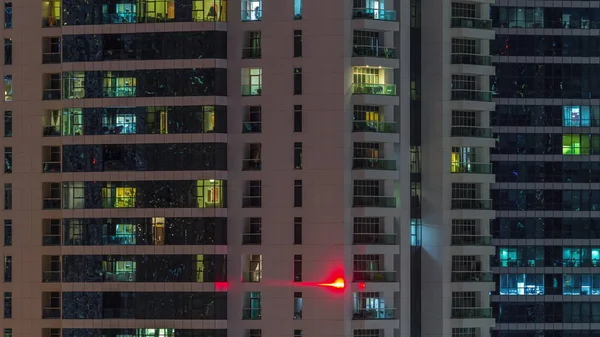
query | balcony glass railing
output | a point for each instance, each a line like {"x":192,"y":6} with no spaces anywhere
{"x":471,"y":276}
{"x":473,"y":59}
{"x":51,"y":276}
{"x":51,"y":203}
{"x":478,"y":168}
{"x":471,"y":95}
{"x":252,"y":127}
{"x":252,"y":15}
{"x":51,"y":240}
{"x":123,"y":276}
{"x":374,"y":276}
{"x":374,"y":51}
{"x":251,"y":276}
{"x":251,"y":313}
{"x":373,"y":313}
{"x":471,"y":240}
{"x":49,"y":312}
{"x":251,"y":53}
{"x":471,"y":204}
{"x":119,"y":92}
{"x":51,"y":131}
{"x":51,"y":21}
{"x":51,"y":94}
{"x":373,"y":89}
{"x":374,"y":126}
{"x":470,"y":131}
{"x":471,"y":312}
{"x":251,"y":165}
{"x":373,"y":239}
{"x":249,"y":201}
{"x":373,"y":201}
{"x":374,"y":14}
{"x":251,"y":238}
{"x":475,"y":23}
{"x":51,"y":167}
{"x":373,"y":164}
{"x":251,"y":89}
{"x":50,"y":58}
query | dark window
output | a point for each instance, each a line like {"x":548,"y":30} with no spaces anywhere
{"x":8,"y":124}
{"x":297,"y":43}
{"x":8,"y":268}
{"x":51,"y":50}
{"x":7,"y":304}
{"x":8,"y":160}
{"x":7,"y":196}
{"x":7,"y":51}
{"x":298,"y":155}
{"x":297,"y":193}
{"x":297,"y":268}
{"x":297,"y":118}
{"x":7,"y":232}
{"x":8,"y":23}
{"x":297,"y":231}
{"x":297,"y":81}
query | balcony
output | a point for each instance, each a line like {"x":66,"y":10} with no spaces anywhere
{"x":124,"y":91}
{"x":51,"y":21}
{"x":51,"y":240}
{"x":373,"y":164}
{"x":251,"y":238}
{"x":469,"y":131}
{"x":51,"y":276}
{"x":374,"y":14}
{"x":471,"y":313}
{"x":252,"y":127}
{"x":374,"y":126}
{"x":51,"y":58}
{"x":473,"y":23}
{"x":468,"y":167}
{"x":374,"y":51}
{"x":51,"y":131}
{"x":373,"y":276}
{"x":251,"y":313}
{"x":251,"y":165}
{"x":251,"y":89}
{"x":471,"y":95}
{"x":472,"y":59}
{"x":249,"y":201}
{"x":51,"y":167}
{"x":251,"y":276}
{"x":471,"y":240}
{"x":369,"y":314}
{"x":51,"y":203}
{"x":49,"y":312}
{"x":373,"y":201}
{"x":471,"y":276}
{"x":374,"y":89}
{"x":373,"y":239}
{"x":483,"y":204}
{"x":251,"y":53}
{"x":51,"y":94}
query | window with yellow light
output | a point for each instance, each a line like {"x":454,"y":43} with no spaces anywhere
{"x":209,"y":10}
{"x":209,"y":193}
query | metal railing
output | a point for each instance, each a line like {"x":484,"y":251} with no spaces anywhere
{"x":251,"y":53}
{"x":251,"y":89}
{"x":251,"y":276}
{"x":373,"y":239}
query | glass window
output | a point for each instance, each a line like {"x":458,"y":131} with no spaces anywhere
{"x":575,"y":144}
{"x":576,"y":116}
{"x":7,"y":51}
{"x":521,"y":284}
{"x":116,"y":86}
{"x":8,"y":91}
{"x":209,"y":10}
{"x":72,"y":122}
{"x":7,"y":232}
{"x":209,"y":193}
{"x":73,"y":85}
{"x":8,"y":196}
{"x":51,"y":11}
{"x":7,"y":123}
{"x":251,"y":10}
{"x":297,"y":9}
{"x":8,"y":23}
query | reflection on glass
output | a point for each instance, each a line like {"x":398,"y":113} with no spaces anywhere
{"x":73,"y":85}
{"x":8,"y":91}
{"x":72,"y":122}
{"x":521,"y":284}
{"x":115,"y":86}
{"x":251,"y":10}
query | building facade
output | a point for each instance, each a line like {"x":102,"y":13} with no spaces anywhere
{"x":214,"y":168}
{"x":546,"y":165}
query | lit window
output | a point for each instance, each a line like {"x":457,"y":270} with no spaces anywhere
{"x":114,"y":86}
{"x":74,"y":85}
{"x":8,"y":91}
{"x":521,"y":284}
{"x":251,"y":10}
{"x":209,"y":193}
{"x":209,"y":10}
{"x":576,"y":116}
{"x":573,"y":144}
{"x":72,"y":122}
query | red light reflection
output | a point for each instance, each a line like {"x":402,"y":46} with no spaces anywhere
{"x":221,"y":286}
{"x":362,"y":285}
{"x":337,"y":284}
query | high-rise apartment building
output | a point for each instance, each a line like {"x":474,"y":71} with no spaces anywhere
{"x":547,"y":196}
{"x":247,"y":168}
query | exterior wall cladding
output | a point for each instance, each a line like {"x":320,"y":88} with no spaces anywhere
{"x":254,"y":168}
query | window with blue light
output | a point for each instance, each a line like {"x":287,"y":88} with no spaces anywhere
{"x":8,"y":15}
{"x":581,"y":284}
{"x":297,"y":9}
{"x":581,"y":257}
{"x":521,"y":284}
{"x":576,"y":115}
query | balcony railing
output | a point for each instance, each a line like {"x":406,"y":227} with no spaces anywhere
{"x":368,"y":314}
{"x":51,"y":276}
{"x":51,"y":166}
{"x":374,"y":126}
{"x":51,"y":203}
{"x":473,"y":59}
{"x":374,"y":51}
{"x":251,"y":276}
{"x":251,"y":89}
{"x":471,"y":204}
{"x":471,"y":240}
{"x":50,"y":58}
{"x":51,"y":131}
{"x":251,"y":313}
{"x":373,"y":276}
{"x":250,"y":201}
{"x":471,"y":312}
{"x":51,"y":94}
{"x":373,"y":201}
{"x":373,"y":164}
{"x":49,"y":312}
{"x":251,"y":165}
{"x":475,"y":23}
{"x":252,"y":15}
{"x":373,"y":89}
{"x":374,"y":14}
{"x":51,"y":240}
{"x":252,"y":127}
{"x":470,"y":131}
{"x":471,"y":276}
{"x":373,"y":239}
{"x":471,"y":95}
{"x":251,"y":238}
{"x":479,"y":168}
{"x":251,"y":53}
{"x":51,"y":21}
